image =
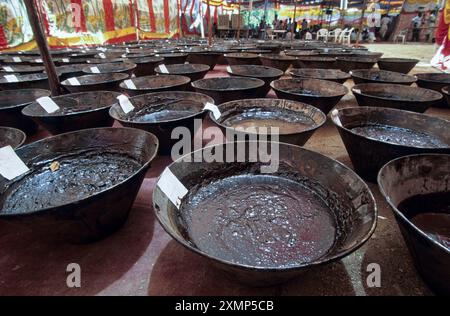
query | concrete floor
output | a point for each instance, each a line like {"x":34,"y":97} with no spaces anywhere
{"x":141,"y":259}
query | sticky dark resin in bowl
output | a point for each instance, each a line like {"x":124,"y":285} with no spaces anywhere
{"x":431,"y":214}
{"x":76,"y":177}
{"x":267,"y":74}
{"x":287,"y":121}
{"x":157,"y":83}
{"x":164,"y":109}
{"x":399,"y":135}
{"x":281,"y":224}
{"x":11,"y":136}
{"x":381,"y":76}
{"x":335,"y":75}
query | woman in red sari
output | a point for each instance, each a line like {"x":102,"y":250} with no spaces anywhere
{"x":442,"y":58}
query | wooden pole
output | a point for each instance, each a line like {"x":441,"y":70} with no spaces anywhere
{"x":209,"y":24}
{"x":293,"y":21}
{"x":238,"y":33}
{"x":41,"y":41}
{"x":361,"y":23}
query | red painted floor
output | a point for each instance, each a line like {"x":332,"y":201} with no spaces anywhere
{"x":141,"y":259}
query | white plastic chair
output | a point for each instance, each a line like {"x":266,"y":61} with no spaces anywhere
{"x":322,"y":33}
{"x":334,"y":34}
{"x":341,"y":35}
{"x":402,"y":35}
{"x":270,"y":34}
{"x":308,"y":36}
{"x":346,"y":36}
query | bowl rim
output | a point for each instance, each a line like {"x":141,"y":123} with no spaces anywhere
{"x":143,"y":166}
{"x":336,"y":94}
{"x":121,"y":74}
{"x":202,"y":68}
{"x":315,"y":263}
{"x":186,"y":80}
{"x":19,"y":132}
{"x":121,"y":67}
{"x":400,"y":217}
{"x":358,"y":75}
{"x":279,"y":72}
{"x":45,"y":93}
{"x":260,"y":83}
{"x":342,"y":74}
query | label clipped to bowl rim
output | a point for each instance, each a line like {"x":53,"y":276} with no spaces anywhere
{"x":11,"y":78}
{"x":229,"y":69}
{"x":17,"y":59}
{"x":73,"y":81}
{"x":169,"y":184}
{"x":48,"y":104}
{"x":357,"y":90}
{"x":214,"y":109}
{"x":8,"y":69}
{"x":102,"y":56}
{"x":95,"y":70}
{"x":11,"y":166}
{"x":66,"y":60}
{"x":130,"y":84}
{"x":163,"y":69}
{"x":39,"y":60}
{"x":335,"y":114}
{"x":125,"y":104}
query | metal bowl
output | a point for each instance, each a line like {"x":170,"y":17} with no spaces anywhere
{"x":319,"y":93}
{"x":11,"y":104}
{"x":267,"y":228}
{"x":315,"y":62}
{"x":351,"y":63}
{"x":173,"y":58}
{"x":335,"y":75}
{"x":29,"y":81}
{"x":98,"y":82}
{"x":157,"y":83}
{"x":125,"y":67}
{"x":281,"y":62}
{"x":193,"y":71}
{"x":446,"y":92}
{"x":434,"y":81}
{"x":77,"y":111}
{"x":11,"y":136}
{"x":90,"y":179}
{"x":207,"y":57}
{"x":381,"y":76}
{"x":267,"y":74}
{"x":162,"y":112}
{"x":296,"y":122}
{"x":416,"y":188}
{"x":224,"y":89}
{"x":69,"y":71}
{"x":395,"y":96}
{"x":145,"y":66}
{"x":373,"y":136}
{"x":401,"y":65}
{"x":234,"y":59}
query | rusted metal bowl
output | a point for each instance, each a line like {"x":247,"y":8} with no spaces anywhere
{"x":69,"y":71}
{"x":23,"y":69}
{"x":446,"y":92}
{"x":401,"y":65}
{"x":281,"y":62}
{"x":206,"y":57}
{"x":193,"y":71}
{"x":315,"y":62}
{"x":434,"y":81}
{"x":29,"y":81}
{"x":274,"y":48}
{"x":319,"y":93}
{"x":162,"y":112}
{"x":267,"y":228}
{"x":173,"y":58}
{"x":296,"y":122}
{"x":335,"y":75}
{"x":374,"y":135}
{"x":266,"y":74}
{"x":126,"y":67}
{"x":97,"y":82}
{"x":149,"y":84}
{"x":11,"y":104}
{"x":224,"y":89}
{"x":395,"y":96}
{"x":96,"y":61}
{"x":381,"y":76}
{"x":301,"y":53}
{"x":90,"y":178}
{"x":222,"y":51}
{"x":77,"y":111}
{"x":416,"y":188}
{"x":242,"y":59}
{"x":11,"y":136}
{"x":145,"y":66}
{"x":351,"y":63}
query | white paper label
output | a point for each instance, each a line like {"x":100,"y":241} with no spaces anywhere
{"x":130,"y":84}
{"x":335,"y":114}
{"x":11,"y":78}
{"x":66,"y":60}
{"x":95,"y":70}
{"x":48,"y":104}
{"x":169,"y":184}
{"x":38,"y":60}
{"x":127,"y":50}
{"x":125,"y":104}
{"x":214,"y":109}
{"x":357,"y":90}
{"x":73,"y":81}
{"x":17,"y":59}
{"x":11,"y":166}
{"x":229,"y":69}
{"x":8,"y":69}
{"x":102,"y":55}
{"x":163,"y":69}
